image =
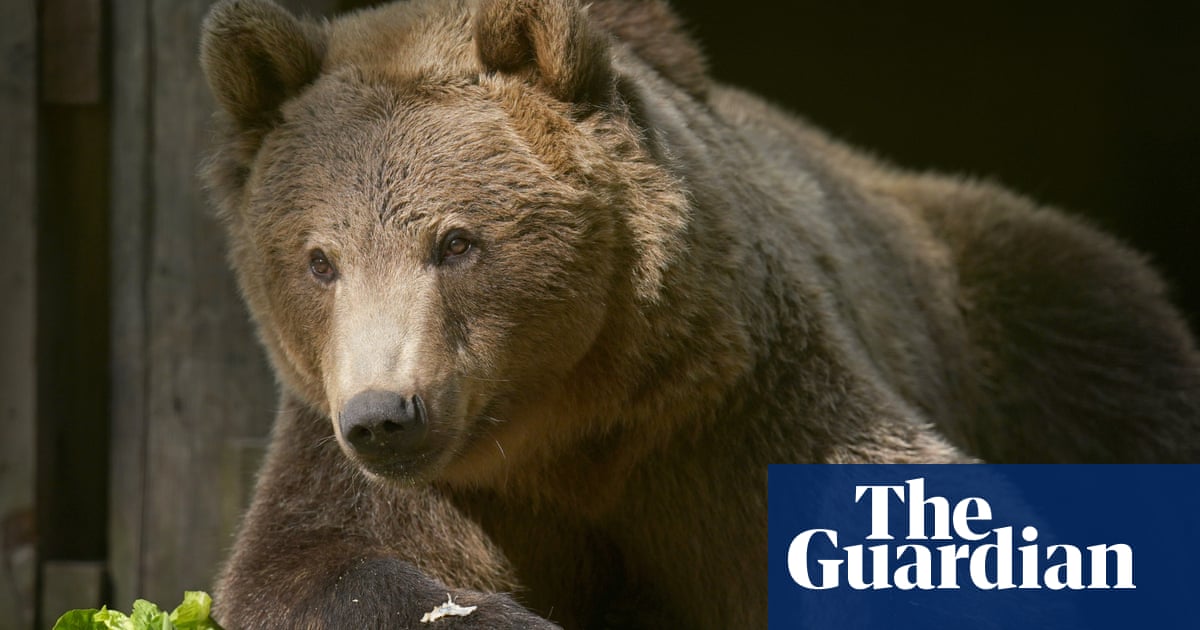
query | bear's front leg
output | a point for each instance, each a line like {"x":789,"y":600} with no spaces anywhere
{"x":393,"y":593}
{"x":314,"y":590}
{"x":322,"y":546}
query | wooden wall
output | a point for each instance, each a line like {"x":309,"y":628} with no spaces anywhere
{"x":192,"y":396}
{"x":18,"y":156}
{"x":72,"y":304}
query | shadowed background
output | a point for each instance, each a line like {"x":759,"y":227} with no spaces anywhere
{"x":135,"y":401}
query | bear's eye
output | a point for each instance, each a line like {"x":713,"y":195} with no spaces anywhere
{"x":456,"y":243}
{"x":321,"y":268}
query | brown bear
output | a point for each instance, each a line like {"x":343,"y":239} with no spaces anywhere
{"x":544,"y":302}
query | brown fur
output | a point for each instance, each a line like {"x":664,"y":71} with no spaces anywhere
{"x":670,"y":286}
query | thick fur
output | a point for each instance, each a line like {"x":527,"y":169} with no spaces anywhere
{"x":671,"y":285}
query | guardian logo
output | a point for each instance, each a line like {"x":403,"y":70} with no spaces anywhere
{"x":871,"y":567}
{"x":961,"y":546}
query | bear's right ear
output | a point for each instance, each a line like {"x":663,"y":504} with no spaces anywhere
{"x":256,"y":55}
{"x":552,"y":39}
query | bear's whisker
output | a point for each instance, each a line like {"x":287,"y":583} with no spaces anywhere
{"x":486,"y":379}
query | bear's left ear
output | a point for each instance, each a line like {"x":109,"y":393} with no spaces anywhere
{"x":554,"y":39}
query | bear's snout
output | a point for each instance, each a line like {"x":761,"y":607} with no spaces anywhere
{"x":381,"y":426}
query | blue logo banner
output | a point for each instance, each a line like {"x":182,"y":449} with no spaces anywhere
{"x":984,"y":547}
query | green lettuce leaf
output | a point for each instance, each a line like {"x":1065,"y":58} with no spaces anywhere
{"x":107,"y":619}
{"x":191,"y":614}
{"x":147,"y":616}
{"x":79,"y":619}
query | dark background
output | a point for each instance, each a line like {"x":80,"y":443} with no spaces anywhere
{"x":1090,"y":106}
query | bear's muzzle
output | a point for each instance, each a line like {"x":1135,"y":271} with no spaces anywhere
{"x":384,"y":426}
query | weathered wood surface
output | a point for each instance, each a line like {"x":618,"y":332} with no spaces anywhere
{"x":18,"y":157}
{"x":129,"y":210}
{"x":67,"y":585}
{"x":72,"y":52}
{"x":193,"y":398}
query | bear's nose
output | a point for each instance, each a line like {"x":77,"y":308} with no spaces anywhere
{"x":381,"y":425}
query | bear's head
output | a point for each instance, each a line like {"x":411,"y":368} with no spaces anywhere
{"x":433,"y":212}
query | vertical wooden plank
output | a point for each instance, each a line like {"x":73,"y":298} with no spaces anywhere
{"x":72,"y":52}
{"x":18,"y":156}
{"x":208,"y":381}
{"x":193,"y":398}
{"x":67,"y":585}
{"x":130,"y":222}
